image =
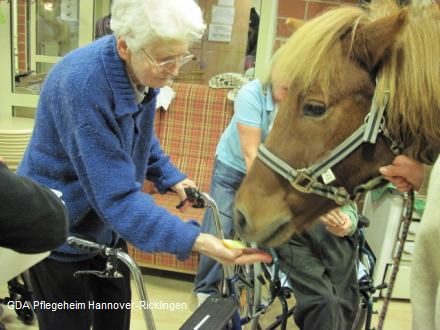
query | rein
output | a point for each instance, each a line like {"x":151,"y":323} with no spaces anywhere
{"x":405,"y":221}
{"x":306,"y":180}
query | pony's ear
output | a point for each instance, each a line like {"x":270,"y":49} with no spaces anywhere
{"x":294,"y":23}
{"x":373,"y":39}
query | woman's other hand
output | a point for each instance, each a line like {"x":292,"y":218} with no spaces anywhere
{"x":179,"y":188}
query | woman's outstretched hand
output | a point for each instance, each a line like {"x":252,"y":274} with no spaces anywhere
{"x":214,"y":248}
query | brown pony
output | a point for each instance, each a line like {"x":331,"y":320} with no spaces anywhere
{"x":335,"y":64}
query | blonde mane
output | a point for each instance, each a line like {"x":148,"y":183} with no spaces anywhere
{"x":412,"y":76}
{"x":410,"y":72}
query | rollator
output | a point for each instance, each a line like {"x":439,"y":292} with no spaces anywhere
{"x":115,"y":255}
{"x":239,"y":302}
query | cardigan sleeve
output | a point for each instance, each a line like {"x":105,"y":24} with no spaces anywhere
{"x":160,"y":169}
{"x":32,"y":218}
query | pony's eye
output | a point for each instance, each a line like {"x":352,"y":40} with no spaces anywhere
{"x":314,"y":109}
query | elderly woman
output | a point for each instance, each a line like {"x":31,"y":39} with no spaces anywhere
{"x":93,"y":141}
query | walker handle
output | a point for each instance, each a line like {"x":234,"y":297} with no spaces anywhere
{"x":85,"y":245}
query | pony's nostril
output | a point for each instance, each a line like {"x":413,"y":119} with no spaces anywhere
{"x":240,"y":220}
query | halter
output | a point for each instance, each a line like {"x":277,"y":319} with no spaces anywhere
{"x":306,"y":180}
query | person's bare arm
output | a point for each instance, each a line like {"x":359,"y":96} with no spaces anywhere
{"x":250,"y":138}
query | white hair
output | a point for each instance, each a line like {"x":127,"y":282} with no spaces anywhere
{"x":142,"y":22}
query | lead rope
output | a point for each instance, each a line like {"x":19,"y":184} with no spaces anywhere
{"x":409,"y":207}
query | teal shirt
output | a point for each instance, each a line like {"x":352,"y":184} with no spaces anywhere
{"x":252,"y":108}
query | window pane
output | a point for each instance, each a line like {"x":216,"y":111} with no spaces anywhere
{"x":43,"y":31}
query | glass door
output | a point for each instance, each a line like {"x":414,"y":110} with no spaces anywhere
{"x":43,"y":32}
{"x":36,"y":34}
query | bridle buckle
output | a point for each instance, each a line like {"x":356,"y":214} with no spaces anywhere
{"x":303,"y":182}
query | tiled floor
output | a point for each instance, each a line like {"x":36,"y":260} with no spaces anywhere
{"x":167,"y":290}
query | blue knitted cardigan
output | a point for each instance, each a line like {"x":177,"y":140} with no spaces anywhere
{"x":96,"y":145}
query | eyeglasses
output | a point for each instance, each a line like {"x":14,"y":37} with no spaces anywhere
{"x":169,"y":65}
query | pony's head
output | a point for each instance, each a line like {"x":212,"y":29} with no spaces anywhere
{"x":335,"y":64}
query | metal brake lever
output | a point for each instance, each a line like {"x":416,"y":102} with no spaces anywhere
{"x":101,"y":274}
{"x":110,"y":271}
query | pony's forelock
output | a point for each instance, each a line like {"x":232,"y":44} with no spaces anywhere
{"x":306,"y":57}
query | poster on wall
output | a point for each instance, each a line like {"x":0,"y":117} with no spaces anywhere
{"x":220,"y":32}
{"x":222,"y":15}
{"x":69,"y":10}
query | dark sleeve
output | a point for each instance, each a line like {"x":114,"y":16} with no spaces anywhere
{"x":32,"y":218}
